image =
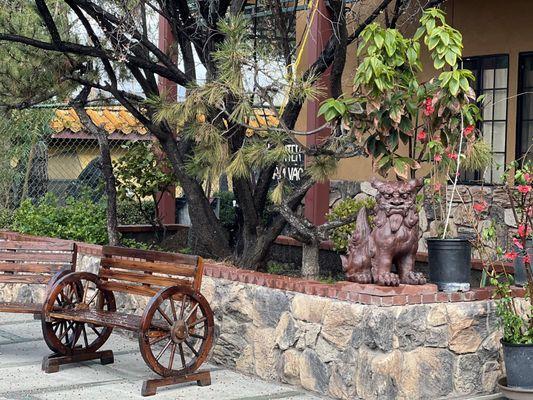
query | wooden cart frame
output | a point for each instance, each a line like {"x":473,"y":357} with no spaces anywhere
{"x":175,"y":331}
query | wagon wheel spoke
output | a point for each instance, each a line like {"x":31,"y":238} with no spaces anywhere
{"x":85,"y":339}
{"x":198,"y":321}
{"x":165,"y":316}
{"x":173,"y":308}
{"x":93,"y":297}
{"x":163,"y":350}
{"x":182,"y":308}
{"x":172,"y":352}
{"x":192,"y":348}
{"x":194,"y":335}
{"x":95,"y":330}
{"x":182,"y":355}
{"x":191,"y":312}
{"x":159,"y":339}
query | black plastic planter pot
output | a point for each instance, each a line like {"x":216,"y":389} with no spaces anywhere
{"x":520,"y":276}
{"x":449,"y":263}
{"x":518,"y":359}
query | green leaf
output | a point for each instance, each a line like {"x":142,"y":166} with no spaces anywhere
{"x":439,"y":63}
{"x":419,"y":32}
{"x":451,"y":58}
{"x":378,"y":40}
{"x":454,"y":86}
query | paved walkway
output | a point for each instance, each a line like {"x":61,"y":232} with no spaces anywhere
{"x":21,"y":378}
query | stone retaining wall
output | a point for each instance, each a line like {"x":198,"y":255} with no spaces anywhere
{"x":347,"y":350}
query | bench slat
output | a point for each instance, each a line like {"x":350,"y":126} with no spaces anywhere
{"x":163,"y":268}
{"x":35,"y":257}
{"x":23,"y":308}
{"x":132,"y":289}
{"x":31,"y":267}
{"x":18,"y":278}
{"x":143,"y":278}
{"x":150,"y":255}
{"x":44,"y":246}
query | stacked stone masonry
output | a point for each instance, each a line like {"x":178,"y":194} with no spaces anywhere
{"x":499,"y":209}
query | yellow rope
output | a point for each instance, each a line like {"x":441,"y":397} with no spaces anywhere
{"x":294,"y":66}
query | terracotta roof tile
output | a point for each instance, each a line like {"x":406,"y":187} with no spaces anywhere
{"x":112,"y":119}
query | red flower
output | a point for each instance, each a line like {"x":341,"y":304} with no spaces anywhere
{"x":428,"y":107}
{"x":524,"y":188}
{"x":468,"y":130}
{"x":421,"y":136}
{"x":528,"y":177}
{"x":511,"y":255}
{"x":527,"y":260}
{"x":518,"y":243}
{"x":437,"y":187}
{"x":438,"y":158}
{"x":480,"y":207}
{"x":452,"y":156}
{"x":523,"y":230}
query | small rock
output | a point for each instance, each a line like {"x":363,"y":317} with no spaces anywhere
{"x":313,"y":372}
{"x":467,"y":378}
{"x":308,"y":308}
{"x":268,"y":306}
{"x":290,"y":366}
{"x":366,"y":187}
{"x":379,"y":328}
{"x":286,"y":331}
{"x":509,"y":217}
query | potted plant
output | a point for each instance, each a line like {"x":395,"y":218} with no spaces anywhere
{"x":516,"y":315}
{"x":518,"y":326}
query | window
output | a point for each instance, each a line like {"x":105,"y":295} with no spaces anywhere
{"x":492,"y":75}
{"x":524,"y":138}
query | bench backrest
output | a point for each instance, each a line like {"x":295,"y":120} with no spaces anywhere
{"x":145,"y":272}
{"x":33,"y":261}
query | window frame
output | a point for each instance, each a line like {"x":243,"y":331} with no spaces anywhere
{"x":478,"y":177}
{"x":519,"y":112}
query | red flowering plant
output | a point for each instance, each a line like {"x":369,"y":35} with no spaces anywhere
{"x":399,"y":120}
{"x":517,"y":323}
{"x":406,"y":124}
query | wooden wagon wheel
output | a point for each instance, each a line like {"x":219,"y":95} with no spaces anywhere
{"x":76,"y":291}
{"x":176,"y":331}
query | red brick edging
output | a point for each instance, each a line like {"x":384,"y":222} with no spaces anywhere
{"x":345,"y":291}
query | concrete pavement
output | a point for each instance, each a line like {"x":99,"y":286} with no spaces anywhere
{"x":21,"y":378}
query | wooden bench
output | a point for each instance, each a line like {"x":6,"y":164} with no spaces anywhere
{"x":33,"y":262}
{"x":175,"y":331}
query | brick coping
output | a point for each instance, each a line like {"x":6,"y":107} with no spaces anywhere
{"x":344,"y":291}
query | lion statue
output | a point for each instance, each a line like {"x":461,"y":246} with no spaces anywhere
{"x":393,"y":241}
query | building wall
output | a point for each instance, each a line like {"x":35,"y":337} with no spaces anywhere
{"x":489,"y":27}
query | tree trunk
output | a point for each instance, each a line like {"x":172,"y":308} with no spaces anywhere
{"x":207,"y":236}
{"x":310,"y":260}
{"x":109,"y":176}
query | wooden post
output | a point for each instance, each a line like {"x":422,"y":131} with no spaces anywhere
{"x":317,"y":198}
{"x":166,"y":210}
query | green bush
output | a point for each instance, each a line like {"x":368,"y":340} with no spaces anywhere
{"x":6,"y":217}
{"x":78,"y":219}
{"x":227,"y":211}
{"x":340,"y":236}
{"x":130,"y":212}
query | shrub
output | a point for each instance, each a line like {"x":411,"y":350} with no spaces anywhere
{"x":227,"y":210}
{"x":78,"y":219}
{"x":347,"y":207}
{"x":130,"y":212}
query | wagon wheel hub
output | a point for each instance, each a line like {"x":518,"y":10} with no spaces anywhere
{"x":179,"y":332}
